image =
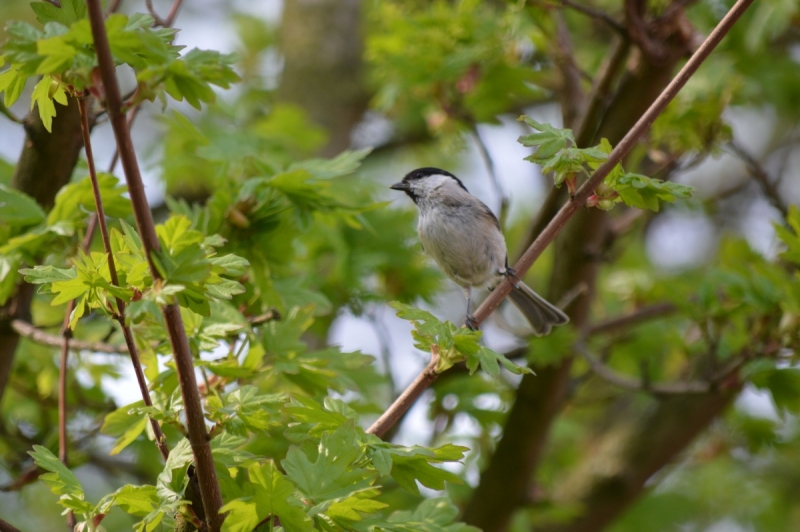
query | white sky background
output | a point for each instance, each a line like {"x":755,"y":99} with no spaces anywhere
{"x":679,"y":239}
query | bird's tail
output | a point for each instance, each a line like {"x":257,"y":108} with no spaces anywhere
{"x":541,"y":314}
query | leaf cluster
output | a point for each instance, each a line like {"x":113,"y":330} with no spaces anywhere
{"x":63,"y":53}
{"x":557,"y":153}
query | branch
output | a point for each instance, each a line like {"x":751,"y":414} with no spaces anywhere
{"x":165,"y":22}
{"x":7,"y":527}
{"x":8,"y":114}
{"x":409,"y":396}
{"x":635,"y":317}
{"x":195,"y":420}
{"x":100,"y":220}
{"x":672,"y":388}
{"x":598,"y":14}
{"x":490,"y":169}
{"x":759,"y":174}
{"x":31,"y":332}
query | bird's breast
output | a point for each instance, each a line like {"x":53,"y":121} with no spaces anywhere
{"x":467,"y":254}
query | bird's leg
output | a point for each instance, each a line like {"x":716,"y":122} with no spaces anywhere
{"x":472,"y":323}
{"x":509,"y":272}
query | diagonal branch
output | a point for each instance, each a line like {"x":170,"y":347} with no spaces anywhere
{"x":195,"y":419}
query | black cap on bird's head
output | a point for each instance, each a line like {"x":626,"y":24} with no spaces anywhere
{"x":407,"y":185}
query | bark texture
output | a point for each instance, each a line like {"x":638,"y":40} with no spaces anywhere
{"x":322,"y":48}
{"x":45,"y":165}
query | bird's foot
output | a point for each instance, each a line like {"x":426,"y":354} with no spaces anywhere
{"x":513,"y":275}
{"x":472,"y":323}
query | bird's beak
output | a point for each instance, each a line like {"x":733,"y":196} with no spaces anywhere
{"x":399,"y":186}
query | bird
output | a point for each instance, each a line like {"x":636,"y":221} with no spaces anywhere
{"x":463,"y":237}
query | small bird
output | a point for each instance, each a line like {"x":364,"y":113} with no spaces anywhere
{"x":463,"y":236}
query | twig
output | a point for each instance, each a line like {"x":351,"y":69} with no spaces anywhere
{"x":8,"y":114}
{"x":66,"y":334}
{"x":490,"y":169}
{"x":100,"y":218}
{"x":601,"y":91}
{"x":31,"y":332}
{"x":591,"y":12}
{"x":637,"y":316}
{"x":112,"y":8}
{"x":270,"y":315}
{"x":406,"y":399}
{"x":644,"y":385}
{"x":165,"y":22}
{"x":195,"y":420}
{"x":398,"y":408}
{"x":571,"y":93}
{"x":759,"y":174}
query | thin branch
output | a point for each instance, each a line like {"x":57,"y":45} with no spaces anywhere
{"x":100,"y":218}
{"x":165,"y":22}
{"x":270,"y":315}
{"x":644,"y":385}
{"x":195,"y":420}
{"x":490,"y":304}
{"x":759,"y":174}
{"x":66,"y":334}
{"x":635,"y":317}
{"x":598,"y":14}
{"x":8,"y":114}
{"x":409,"y":396}
{"x":114,"y":6}
{"x":490,"y":169}
{"x":31,"y":332}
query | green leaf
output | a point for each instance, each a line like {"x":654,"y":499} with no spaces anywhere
{"x":331,"y":475}
{"x":60,"y":480}
{"x":18,"y":209}
{"x":136,"y":500}
{"x":274,"y":495}
{"x":784,"y":386}
{"x":406,"y":470}
{"x":343,"y":164}
{"x":43,"y":95}
{"x":12,"y":83}
{"x":790,"y":236}
{"x":70,"y":11}
{"x":432,"y":515}
{"x":125,"y":423}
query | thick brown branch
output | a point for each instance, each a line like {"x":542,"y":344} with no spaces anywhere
{"x":195,"y":420}
{"x":7,"y":527}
